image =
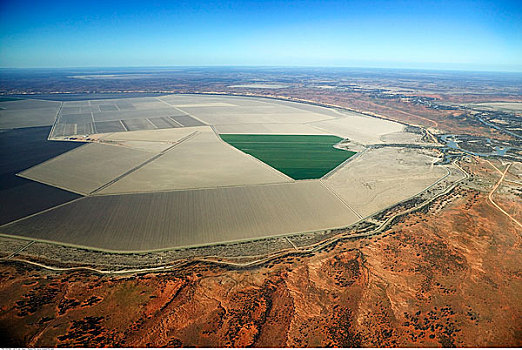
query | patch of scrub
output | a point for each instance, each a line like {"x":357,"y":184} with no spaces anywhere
{"x":298,"y":156}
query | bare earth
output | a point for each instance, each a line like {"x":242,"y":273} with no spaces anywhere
{"x":381,"y":177}
{"x":157,"y":145}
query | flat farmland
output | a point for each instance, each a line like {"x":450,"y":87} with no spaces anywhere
{"x":253,"y":114}
{"x":359,"y":128}
{"x":86,"y":168}
{"x":513,"y":107}
{"x":216,"y":110}
{"x":138,"y":222}
{"x":268,"y":129}
{"x":381,"y":177}
{"x":163,"y":135}
{"x":202,"y":169}
{"x":201,"y":161}
{"x":298,"y":156}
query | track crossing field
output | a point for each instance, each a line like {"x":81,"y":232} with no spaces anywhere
{"x":298,"y":156}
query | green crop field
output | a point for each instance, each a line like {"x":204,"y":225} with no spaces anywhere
{"x":298,"y":156}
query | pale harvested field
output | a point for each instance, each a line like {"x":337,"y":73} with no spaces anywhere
{"x":161,"y":220}
{"x":281,"y":129}
{"x":263,"y":114}
{"x":503,"y":106}
{"x":382,"y":177}
{"x":154,"y":147}
{"x":359,"y":128}
{"x":216,"y":110}
{"x":178,"y":111}
{"x":163,"y":135}
{"x":27,"y":113}
{"x":202,"y":161}
{"x":86,"y":168}
{"x":401,"y":137}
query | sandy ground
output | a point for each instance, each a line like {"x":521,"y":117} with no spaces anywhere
{"x":503,"y":106}
{"x":381,"y":177}
{"x":163,"y":135}
{"x":360,"y":128}
{"x":86,"y":168}
{"x":201,"y":161}
{"x":401,"y":137}
{"x":180,"y":218}
{"x":282,"y":129}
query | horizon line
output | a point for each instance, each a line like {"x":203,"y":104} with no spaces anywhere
{"x":268,"y":67}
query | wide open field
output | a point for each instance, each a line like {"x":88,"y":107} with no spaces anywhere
{"x":360,"y":128}
{"x":185,"y":218}
{"x":116,"y":115}
{"x":87,"y":168}
{"x":381,"y":177}
{"x":201,"y":161}
{"x":218,"y":110}
{"x":513,"y":107}
{"x":298,"y":156}
{"x":270,"y":129}
{"x":156,"y":177}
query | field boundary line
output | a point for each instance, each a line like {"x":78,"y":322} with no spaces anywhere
{"x":139,"y":166}
{"x":348,"y":160}
{"x":52,"y":185}
{"x":58,"y":113}
{"x":342,"y":200}
{"x":37,"y":213}
{"x":180,"y":110}
{"x":93,"y":121}
{"x":123,"y":125}
{"x":85,"y":144}
{"x":284,"y":176}
{"x":201,"y":188}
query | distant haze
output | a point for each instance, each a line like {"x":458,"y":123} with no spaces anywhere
{"x":464,"y":35}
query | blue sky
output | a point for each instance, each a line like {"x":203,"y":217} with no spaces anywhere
{"x":468,"y":35}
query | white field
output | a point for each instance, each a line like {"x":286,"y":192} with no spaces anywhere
{"x":201,"y":161}
{"x":88,"y":167}
{"x":162,"y":220}
{"x":276,"y":129}
{"x":161,"y":135}
{"x":381,"y":177}
{"x":359,"y":128}
{"x":503,"y":106}
{"x":153,"y":147}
